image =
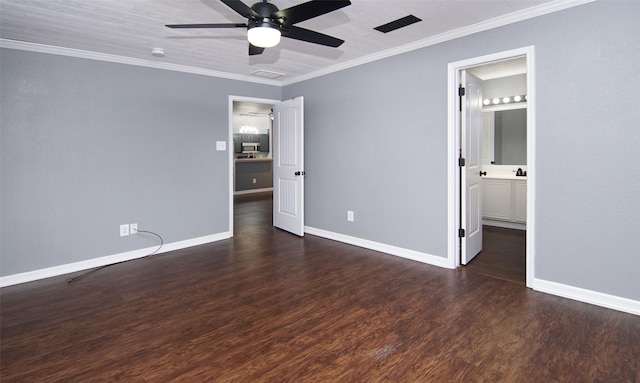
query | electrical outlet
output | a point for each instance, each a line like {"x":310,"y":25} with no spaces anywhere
{"x":124,"y":230}
{"x":254,"y":180}
{"x":133,"y":228}
{"x":349,"y":215}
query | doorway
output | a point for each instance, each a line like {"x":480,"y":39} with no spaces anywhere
{"x":250,"y":166}
{"x":456,"y":242}
{"x":285,"y":157}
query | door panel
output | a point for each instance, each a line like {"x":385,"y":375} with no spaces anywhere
{"x":288,"y":169}
{"x":471,"y":180}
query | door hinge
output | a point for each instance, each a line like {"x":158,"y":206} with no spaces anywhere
{"x":461,"y":233}
{"x":461,"y":162}
{"x":461,"y":91}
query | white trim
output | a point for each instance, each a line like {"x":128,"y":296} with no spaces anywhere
{"x":504,"y":224}
{"x":381,"y":247}
{"x":539,"y":10}
{"x":531,"y":166}
{"x":587,"y":296}
{"x":231,"y":153}
{"x":61,"y":51}
{"x":453,"y":137}
{"x":107,"y":260}
{"x":252,"y":191}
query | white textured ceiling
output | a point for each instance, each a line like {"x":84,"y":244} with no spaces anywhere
{"x":132,"y":28}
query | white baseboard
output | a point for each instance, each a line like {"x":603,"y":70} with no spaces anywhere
{"x":587,"y":296}
{"x":554,"y":288}
{"x":30,"y":276}
{"x":251,"y":191}
{"x":503,"y":224}
{"x":381,"y":247}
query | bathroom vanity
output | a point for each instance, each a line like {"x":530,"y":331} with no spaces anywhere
{"x":504,"y":151}
{"x":504,"y":200}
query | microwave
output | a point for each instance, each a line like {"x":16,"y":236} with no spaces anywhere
{"x":250,"y":147}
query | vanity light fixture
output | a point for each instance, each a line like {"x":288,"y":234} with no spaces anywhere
{"x":504,"y":100}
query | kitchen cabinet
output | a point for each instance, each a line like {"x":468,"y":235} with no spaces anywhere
{"x":504,"y":202}
{"x":264,"y":143}
{"x":262,"y":139}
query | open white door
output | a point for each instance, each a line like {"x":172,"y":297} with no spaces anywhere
{"x":471,"y":193}
{"x":288,"y":166}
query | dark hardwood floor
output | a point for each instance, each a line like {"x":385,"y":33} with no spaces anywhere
{"x":267,"y":306}
{"x":503,"y":254}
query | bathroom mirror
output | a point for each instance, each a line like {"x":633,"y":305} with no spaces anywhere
{"x":505,"y":137}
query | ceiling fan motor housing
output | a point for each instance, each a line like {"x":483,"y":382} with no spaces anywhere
{"x":264,"y":9}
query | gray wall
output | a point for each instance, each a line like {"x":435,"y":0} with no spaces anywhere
{"x":362,"y":127}
{"x":246,"y":172}
{"x":89,"y":145}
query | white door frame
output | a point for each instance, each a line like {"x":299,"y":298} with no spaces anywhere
{"x":453,"y":139}
{"x":231,"y":150}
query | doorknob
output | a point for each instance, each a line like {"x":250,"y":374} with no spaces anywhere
{"x":299,"y":173}
{"x":483,"y":173}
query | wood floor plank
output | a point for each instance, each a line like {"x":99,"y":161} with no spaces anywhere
{"x":267,"y":306}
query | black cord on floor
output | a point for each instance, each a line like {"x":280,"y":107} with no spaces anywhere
{"x":117,"y":263}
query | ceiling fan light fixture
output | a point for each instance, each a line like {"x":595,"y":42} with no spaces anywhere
{"x":264,"y":35}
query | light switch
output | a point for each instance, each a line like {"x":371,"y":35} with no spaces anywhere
{"x":221,"y":146}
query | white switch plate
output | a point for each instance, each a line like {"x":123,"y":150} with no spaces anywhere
{"x":221,"y":146}
{"x":349,"y":215}
{"x":124,"y":230}
{"x":254,"y":180}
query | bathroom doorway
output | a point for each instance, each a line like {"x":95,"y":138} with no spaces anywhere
{"x":503,"y":157}
{"x":515,"y":241}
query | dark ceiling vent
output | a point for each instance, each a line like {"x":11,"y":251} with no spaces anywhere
{"x":397,"y":24}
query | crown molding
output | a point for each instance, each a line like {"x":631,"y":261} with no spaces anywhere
{"x":78,"y":53}
{"x":529,"y":13}
{"x":542,"y":9}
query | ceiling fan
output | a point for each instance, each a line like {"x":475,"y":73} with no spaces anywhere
{"x":266,"y":23}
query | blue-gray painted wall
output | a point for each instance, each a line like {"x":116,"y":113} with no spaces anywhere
{"x":87,"y":146}
{"x":376,"y":143}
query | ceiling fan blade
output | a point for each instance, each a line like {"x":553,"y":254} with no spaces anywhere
{"x":241,"y":8}
{"x":309,"y":36}
{"x":254,"y":50}
{"x":233,"y":25}
{"x":308,"y":10}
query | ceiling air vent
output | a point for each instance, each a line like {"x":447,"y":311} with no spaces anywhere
{"x":267,"y":74}
{"x":397,"y":24}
